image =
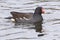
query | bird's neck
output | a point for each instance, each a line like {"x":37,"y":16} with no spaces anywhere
{"x":37,"y":13}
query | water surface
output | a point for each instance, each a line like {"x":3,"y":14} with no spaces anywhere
{"x":51,"y":23}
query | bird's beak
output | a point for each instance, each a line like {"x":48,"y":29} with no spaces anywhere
{"x":43,"y":10}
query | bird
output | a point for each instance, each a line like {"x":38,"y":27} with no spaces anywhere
{"x":34,"y":18}
{"x":27,"y":16}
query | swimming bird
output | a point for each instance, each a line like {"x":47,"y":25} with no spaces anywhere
{"x":28,"y":16}
{"x":35,"y":18}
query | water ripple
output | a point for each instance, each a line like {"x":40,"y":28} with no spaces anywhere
{"x":22,"y":38}
{"x":11,"y":34}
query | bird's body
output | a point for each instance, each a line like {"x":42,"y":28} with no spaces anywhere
{"x":28,"y":17}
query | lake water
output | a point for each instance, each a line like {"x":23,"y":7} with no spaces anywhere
{"x":51,"y":23}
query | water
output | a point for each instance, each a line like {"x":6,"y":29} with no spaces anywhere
{"x":51,"y":24}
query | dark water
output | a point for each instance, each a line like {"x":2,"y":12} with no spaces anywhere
{"x":51,"y":24}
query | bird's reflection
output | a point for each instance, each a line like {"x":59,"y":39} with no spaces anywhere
{"x":38,"y":27}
